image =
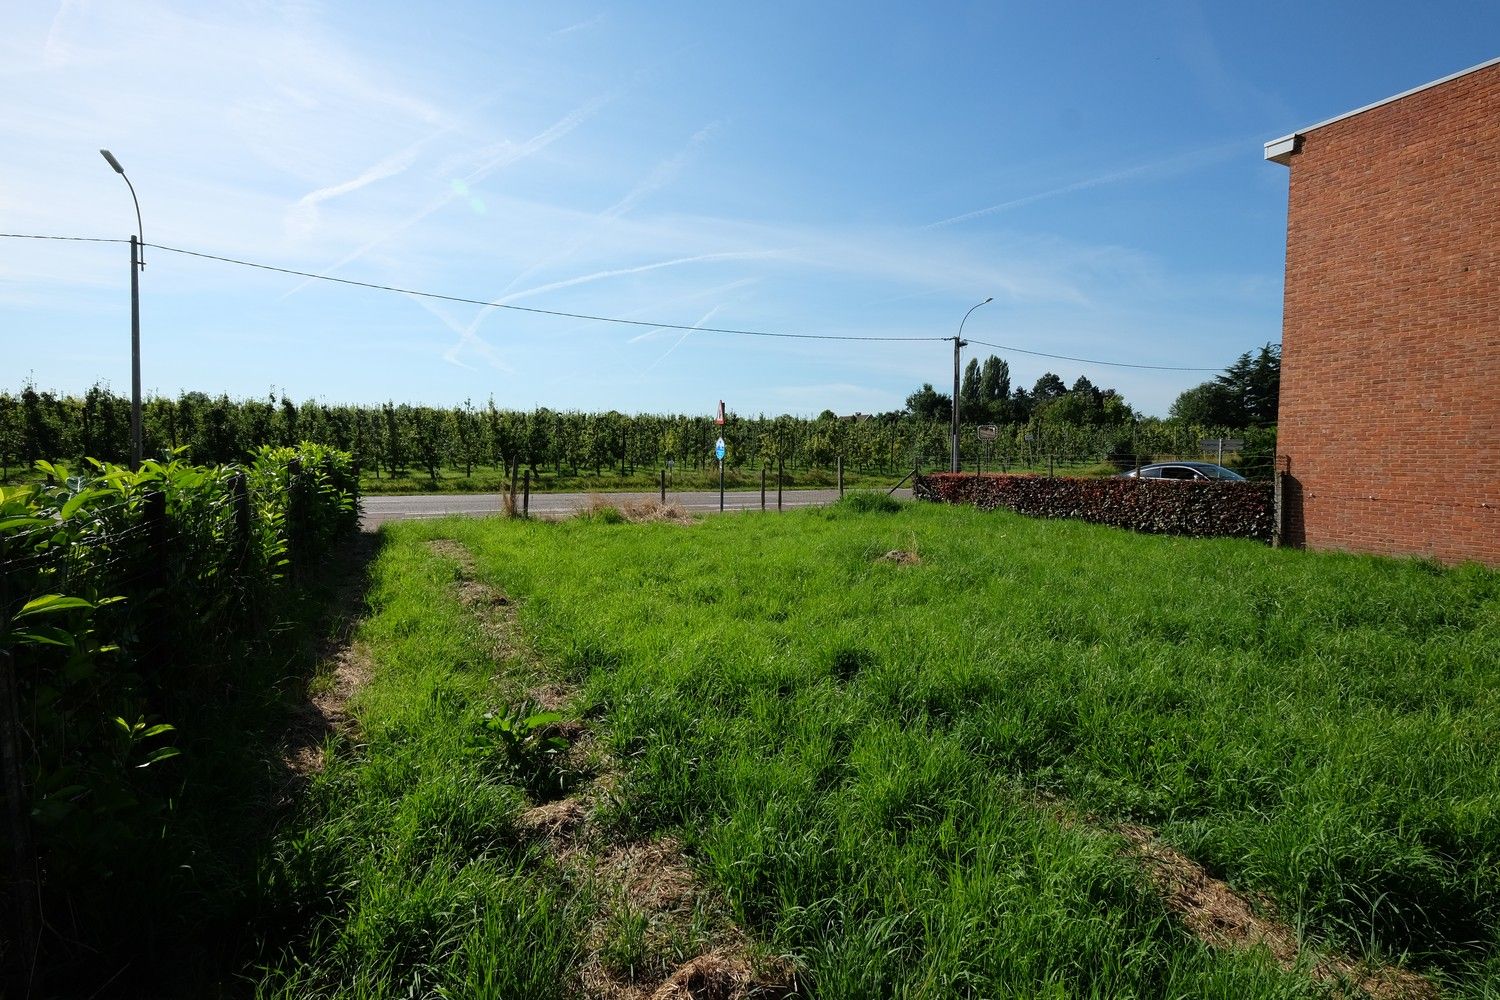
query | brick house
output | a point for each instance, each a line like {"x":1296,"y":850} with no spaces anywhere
{"x":1389,"y":425}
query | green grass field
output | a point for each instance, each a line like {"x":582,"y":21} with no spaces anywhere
{"x":907,"y":776}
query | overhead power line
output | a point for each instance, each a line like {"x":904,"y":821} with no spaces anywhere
{"x":529,"y":309}
{"x":70,"y":239}
{"x":561,"y":314}
{"x":1088,"y":361}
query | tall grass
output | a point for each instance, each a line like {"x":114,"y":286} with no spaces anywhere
{"x":861,"y":753}
{"x":403,"y":873}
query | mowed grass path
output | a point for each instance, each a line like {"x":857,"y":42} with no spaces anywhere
{"x":861,"y":753}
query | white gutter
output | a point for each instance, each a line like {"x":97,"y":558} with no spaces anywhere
{"x":1281,"y":150}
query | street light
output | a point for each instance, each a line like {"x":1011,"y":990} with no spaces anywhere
{"x":137,"y":264}
{"x":958,"y":343}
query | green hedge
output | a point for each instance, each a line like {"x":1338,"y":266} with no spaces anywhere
{"x":1216,"y":509}
{"x":126,"y":600}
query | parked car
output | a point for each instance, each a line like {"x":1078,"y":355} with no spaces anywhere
{"x":1197,"y":472}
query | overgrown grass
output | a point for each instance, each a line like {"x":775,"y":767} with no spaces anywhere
{"x":404,"y":875}
{"x":860,"y":754}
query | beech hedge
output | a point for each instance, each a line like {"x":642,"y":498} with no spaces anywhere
{"x":1165,"y":507}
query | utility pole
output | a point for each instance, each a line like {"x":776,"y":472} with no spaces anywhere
{"x":137,"y":444}
{"x":137,"y":265}
{"x":958,"y":344}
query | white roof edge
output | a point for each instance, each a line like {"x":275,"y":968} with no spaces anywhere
{"x":1281,"y":150}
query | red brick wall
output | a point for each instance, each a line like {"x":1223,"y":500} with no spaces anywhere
{"x":1390,"y":386}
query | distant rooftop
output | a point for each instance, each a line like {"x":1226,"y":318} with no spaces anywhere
{"x":1281,"y":150}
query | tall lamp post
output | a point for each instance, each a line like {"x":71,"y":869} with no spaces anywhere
{"x":137,"y":265}
{"x":958,"y":344}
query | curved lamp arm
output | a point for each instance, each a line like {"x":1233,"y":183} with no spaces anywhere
{"x":139,"y":229}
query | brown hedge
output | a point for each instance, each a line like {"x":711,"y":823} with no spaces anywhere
{"x":1204,"y":510}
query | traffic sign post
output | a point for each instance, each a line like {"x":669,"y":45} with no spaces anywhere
{"x":987,"y":433}
{"x":719,"y":450}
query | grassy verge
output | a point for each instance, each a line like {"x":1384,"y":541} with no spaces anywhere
{"x":857,"y":750}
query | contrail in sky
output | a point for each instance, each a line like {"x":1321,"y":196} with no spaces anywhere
{"x":507,"y":155}
{"x":1193,"y":158}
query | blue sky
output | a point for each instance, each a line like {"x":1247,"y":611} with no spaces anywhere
{"x":870,"y":169}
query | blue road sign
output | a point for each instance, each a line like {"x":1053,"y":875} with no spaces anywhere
{"x":719,"y":449}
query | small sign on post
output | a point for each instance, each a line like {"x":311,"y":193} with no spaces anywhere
{"x":987,"y":433}
{"x":719,"y":450}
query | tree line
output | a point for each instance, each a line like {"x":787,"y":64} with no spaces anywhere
{"x":985,"y":396}
{"x":1081,"y":423}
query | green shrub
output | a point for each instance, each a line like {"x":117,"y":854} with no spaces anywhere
{"x":125,"y":597}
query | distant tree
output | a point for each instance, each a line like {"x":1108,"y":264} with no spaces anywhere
{"x":287,"y":425}
{"x":1084,"y":387}
{"x":1246,"y":395}
{"x":395,"y":437}
{"x":994,"y":388}
{"x":1207,"y":405}
{"x":1047,"y":388}
{"x":1254,"y":384}
{"x":430,"y":436}
{"x":970,"y":394}
{"x":41,"y":428}
{"x":1021,"y":405}
{"x":929,"y":404}
{"x":10,"y":433}
{"x":467,"y":430}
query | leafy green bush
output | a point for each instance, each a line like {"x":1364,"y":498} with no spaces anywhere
{"x":124,"y":596}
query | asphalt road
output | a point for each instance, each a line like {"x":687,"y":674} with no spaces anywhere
{"x":376,"y":510}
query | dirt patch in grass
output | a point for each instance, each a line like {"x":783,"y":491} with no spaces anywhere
{"x":1223,"y":918}
{"x":717,"y":976}
{"x":494,"y":610}
{"x":655,"y":512}
{"x":646,"y":511}
{"x":457,"y":552}
{"x":345,"y":667}
{"x":901,"y":557}
{"x":555,"y":822}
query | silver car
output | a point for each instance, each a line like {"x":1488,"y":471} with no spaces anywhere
{"x":1196,"y":472}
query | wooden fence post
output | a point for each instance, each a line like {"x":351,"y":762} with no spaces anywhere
{"x":526,"y":495}
{"x":841,"y":477}
{"x":763,"y":486}
{"x":780,"y":471}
